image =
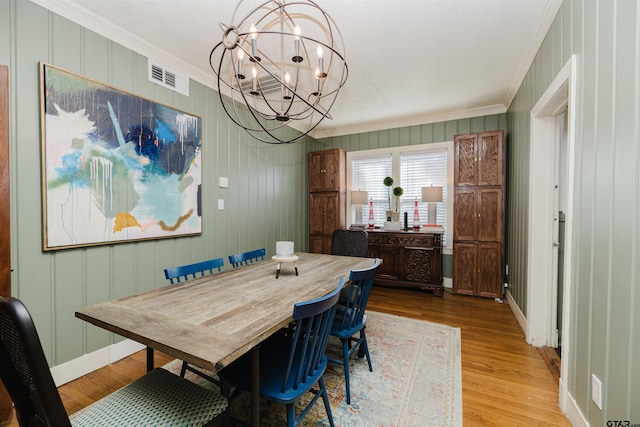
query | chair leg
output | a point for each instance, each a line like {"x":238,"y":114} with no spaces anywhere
{"x":183,"y":370}
{"x":364,"y":345}
{"x":291,"y":415}
{"x":345,"y":358}
{"x":325,"y":399}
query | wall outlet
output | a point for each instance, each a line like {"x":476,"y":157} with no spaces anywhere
{"x":596,"y":391}
{"x":220,"y":204}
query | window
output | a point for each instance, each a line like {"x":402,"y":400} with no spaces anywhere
{"x":411,"y":167}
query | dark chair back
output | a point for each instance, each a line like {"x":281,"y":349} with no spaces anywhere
{"x":191,"y":271}
{"x":312,"y":322}
{"x":350,"y":243}
{"x":354,"y":300}
{"x":24,"y":369}
{"x":247,"y":257}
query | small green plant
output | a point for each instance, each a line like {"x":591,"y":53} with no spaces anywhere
{"x":397,"y":192}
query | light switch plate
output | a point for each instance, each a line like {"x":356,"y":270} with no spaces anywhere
{"x":220,"y":204}
{"x":223,"y":182}
{"x":596,"y":391}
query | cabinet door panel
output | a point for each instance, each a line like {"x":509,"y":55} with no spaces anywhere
{"x":490,"y":158}
{"x":331,"y":212}
{"x":316,"y":172}
{"x":316,"y":213}
{"x":465,"y":163}
{"x":464,"y":214}
{"x":331,"y":162}
{"x":464,"y":266}
{"x":419,"y":264}
{"x":316,"y":244}
{"x":489,"y":276}
{"x":490,"y":209}
{"x":392,"y":265}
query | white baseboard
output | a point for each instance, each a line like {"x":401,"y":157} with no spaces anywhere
{"x":87,"y":363}
{"x":570,"y":408}
{"x":522,"y":320}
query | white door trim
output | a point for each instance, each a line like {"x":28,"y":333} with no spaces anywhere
{"x":560,"y":93}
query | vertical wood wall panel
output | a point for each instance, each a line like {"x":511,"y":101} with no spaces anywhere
{"x":605,"y":298}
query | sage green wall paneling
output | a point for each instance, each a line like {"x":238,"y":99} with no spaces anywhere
{"x":6,"y":12}
{"x":33,"y":285}
{"x":625,"y":157}
{"x":54,"y":284}
{"x":605,"y":296}
{"x":64,"y":48}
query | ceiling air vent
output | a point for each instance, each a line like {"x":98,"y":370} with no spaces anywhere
{"x":268,"y":84}
{"x":159,"y":74}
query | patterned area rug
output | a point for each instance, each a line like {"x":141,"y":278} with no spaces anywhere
{"x":416,"y":379}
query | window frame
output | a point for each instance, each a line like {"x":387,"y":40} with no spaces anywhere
{"x":396,"y":153}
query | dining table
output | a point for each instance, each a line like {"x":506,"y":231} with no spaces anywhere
{"x":213,"y":320}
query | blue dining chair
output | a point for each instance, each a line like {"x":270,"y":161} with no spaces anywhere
{"x":158,"y":398}
{"x":291,"y":364}
{"x":351,"y":319}
{"x":247,"y":257}
{"x":187,"y":272}
{"x":192,"y":271}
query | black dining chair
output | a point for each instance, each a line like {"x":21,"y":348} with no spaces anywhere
{"x":350,"y":243}
{"x":158,"y":398}
{"x":247,"y":257}
{"x":292,"y":364}
{"x":351,"y":319}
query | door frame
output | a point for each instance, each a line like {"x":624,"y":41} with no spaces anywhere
{"x":560,"y":94}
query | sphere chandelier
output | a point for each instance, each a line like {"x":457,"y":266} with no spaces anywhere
{"x":280,"y":63}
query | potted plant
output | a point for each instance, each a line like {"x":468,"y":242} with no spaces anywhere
{"x":397,"y":192}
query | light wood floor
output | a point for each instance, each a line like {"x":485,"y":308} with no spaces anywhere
{"x":505,"y":382}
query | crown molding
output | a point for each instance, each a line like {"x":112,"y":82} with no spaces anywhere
{"x":415,"y":120}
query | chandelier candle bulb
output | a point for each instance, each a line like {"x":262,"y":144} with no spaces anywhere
{"x":254,"y":82}
{"x":287,"y":79}
{"x":254,"y":43}
{"x":320,"y":70}
{"x":297,"y":58}
{"x":240,"y":58}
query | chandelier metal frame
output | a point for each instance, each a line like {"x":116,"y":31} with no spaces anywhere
{"x":288,"y":85}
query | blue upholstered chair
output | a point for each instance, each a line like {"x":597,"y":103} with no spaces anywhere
{"x":158,"y":398}
{"x":247,"y":257}
{"x":291,"y":364}
{"x":187,"y":272}
{"x":192,"y":271}
{"x":350,"y":318}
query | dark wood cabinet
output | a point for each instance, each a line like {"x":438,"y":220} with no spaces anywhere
{"x":478,"y":217}
{"x":409,"y":259}
{"x":327,"y":202}
{"x":327,"y":170}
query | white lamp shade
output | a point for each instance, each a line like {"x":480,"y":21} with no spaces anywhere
{"x":359,"y":197}
{"x":432,"y":194}
{"x":284,"y":248}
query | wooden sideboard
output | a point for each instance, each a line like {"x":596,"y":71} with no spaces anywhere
{"x":409,"y":259}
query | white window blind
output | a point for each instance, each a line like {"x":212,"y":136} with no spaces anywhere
{"x":411,"y":168}
{"x":423,"y":170}
{"x":368,"y":175}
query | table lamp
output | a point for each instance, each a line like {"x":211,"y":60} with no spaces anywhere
{"x":358,"y":199}
{"x":432,"y":196}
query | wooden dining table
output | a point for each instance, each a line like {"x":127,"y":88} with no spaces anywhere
{"x":213,"y":320}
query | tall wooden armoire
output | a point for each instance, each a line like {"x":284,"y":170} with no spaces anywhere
{"x":478,"y":214}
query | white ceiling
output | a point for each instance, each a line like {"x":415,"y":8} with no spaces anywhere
{"x":410,"y":61}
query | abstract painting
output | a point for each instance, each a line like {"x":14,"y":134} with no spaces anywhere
{"x":115,"y":167}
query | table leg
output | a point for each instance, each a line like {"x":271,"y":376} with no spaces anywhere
{"x":295,"y":265}
{"x":278,"y":270}
{"x":255,"y":386}
{"x":149,"y":359}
